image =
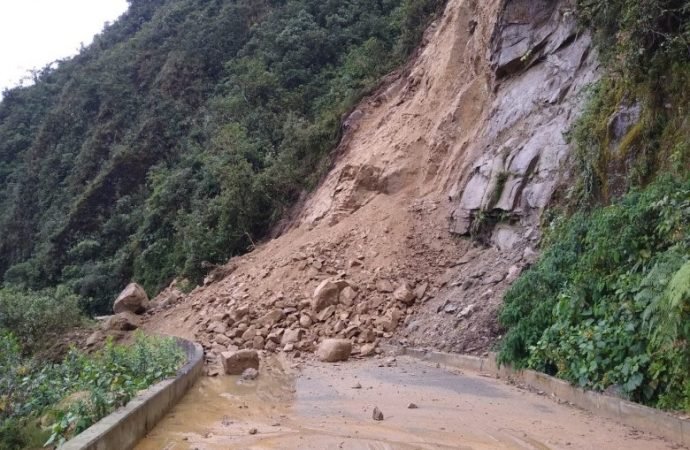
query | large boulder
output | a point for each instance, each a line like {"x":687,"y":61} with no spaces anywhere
{"x":334,"y":350}
{"x":235,"y":363}
{"x":132,"y":299}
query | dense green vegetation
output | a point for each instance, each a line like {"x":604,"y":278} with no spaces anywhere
{"x":182,"y":134}
{"x":48,"y":404}
{"x":37,"y":319}
{"x":608,"y":304}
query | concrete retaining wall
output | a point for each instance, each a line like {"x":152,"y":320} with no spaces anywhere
{"x":122,"y":429}
{"x":632,"y":414}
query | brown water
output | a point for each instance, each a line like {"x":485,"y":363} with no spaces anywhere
{"x":318,"y":408}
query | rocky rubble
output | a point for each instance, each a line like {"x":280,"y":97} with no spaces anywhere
{"x":466,"y":140}
{"x":321,"y":296}
{"x":338,"y":308}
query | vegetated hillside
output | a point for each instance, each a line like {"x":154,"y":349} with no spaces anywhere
{"x":608,"y":305}
{"x":182,"y":134}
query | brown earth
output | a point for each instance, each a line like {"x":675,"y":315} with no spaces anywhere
{"x":414,"y":172}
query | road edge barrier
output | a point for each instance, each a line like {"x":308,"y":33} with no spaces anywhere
{"x":123,"y":428}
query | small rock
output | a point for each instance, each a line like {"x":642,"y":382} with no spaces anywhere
{"x":357,"y":386}
{"x":466,"y":311}
{"x":420,"y":290}
{"x":412,"y":406}
{"x":404,"y":294}
{"x":347,"y":296}
{"x":450,"y":308}
{"x":271,"y":318}
{"x":258,"y":343}
{"x":368,"y":350}
{"x":513,"y":273}
{"x":305,"y":321}
{"x":384,"y":286}
{"x":235,"y":363}
{"x":326,"y":313}
{"x":95,"y":338}
{"x":339,"y":326}
{"x":334,"y":350}
{"x":292,"y":336}
{"x":124,"y":321}
{"x":377,"y":414}
{"x":249,"y":334}
{"x":253,"y":431}
{"x":222,"y":340}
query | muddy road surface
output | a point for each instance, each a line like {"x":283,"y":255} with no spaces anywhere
{"x":318,"y":406}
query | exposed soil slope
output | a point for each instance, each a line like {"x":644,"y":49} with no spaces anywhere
{"x":466,"y":139}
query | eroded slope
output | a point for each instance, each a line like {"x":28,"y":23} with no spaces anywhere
{"x":465,"y":140}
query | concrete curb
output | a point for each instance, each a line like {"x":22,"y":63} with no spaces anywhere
{"x":125,"y":427}
{"x":631,"y":414}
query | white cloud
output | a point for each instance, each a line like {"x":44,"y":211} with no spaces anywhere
{"x":34,"y":33}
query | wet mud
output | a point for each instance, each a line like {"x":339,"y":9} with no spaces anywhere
{"x":316,"y":406}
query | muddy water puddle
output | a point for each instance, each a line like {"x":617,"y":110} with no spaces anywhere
{"x":330,"y":406}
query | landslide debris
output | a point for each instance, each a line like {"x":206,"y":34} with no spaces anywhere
{"x":377,"y":252}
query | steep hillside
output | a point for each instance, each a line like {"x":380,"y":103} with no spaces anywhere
{"x":182,"y":134}
{"x":462,"y":141}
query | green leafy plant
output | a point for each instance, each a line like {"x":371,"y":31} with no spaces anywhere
{"x":607,"y":305}
{"x":37,"y":317}
{"x":79,"y":391}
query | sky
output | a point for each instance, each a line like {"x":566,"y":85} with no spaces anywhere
{"x":34,"y":33}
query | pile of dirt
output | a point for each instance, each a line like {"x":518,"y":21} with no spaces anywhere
{"x":377,"y":236}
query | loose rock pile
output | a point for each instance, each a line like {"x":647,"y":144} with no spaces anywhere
{"x":356,"y":315}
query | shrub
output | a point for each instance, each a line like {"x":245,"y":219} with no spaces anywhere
{"x":77,"y":392}
{"x":36,"y":317}
{"x":608,"y":304}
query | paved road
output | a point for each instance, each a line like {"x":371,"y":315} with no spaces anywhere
{"x":330,"y":406}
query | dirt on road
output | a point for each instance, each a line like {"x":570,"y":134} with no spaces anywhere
{"x":311,"y":405}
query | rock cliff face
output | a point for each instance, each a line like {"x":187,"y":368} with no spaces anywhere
{"x":540,"y":64}
{"x":465,"y":140}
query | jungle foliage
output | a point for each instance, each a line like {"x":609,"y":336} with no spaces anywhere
{"x":36,"y":319}
{"x":47,"y":404}
{"x":182,"y":134}
{"x":607,"y":306}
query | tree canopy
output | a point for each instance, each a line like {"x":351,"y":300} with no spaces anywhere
{"x":185,"y":130}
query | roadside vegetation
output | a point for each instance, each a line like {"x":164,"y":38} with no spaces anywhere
{"x":607,"y":306}
{"x":37,"y":319}
{"x":46,"y":404}
{"x":182,"y":134}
